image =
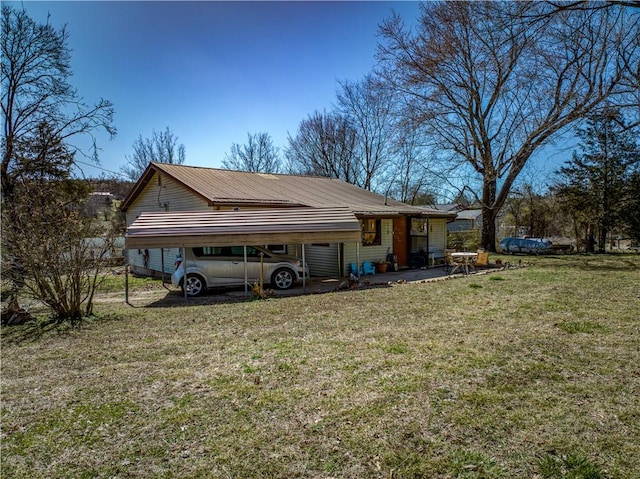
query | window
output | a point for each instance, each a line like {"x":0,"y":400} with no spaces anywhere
{"x":251,"y":251}
{"x":277,"y":248}
{"x":419,"y":227}
{"x":226,"y":251}
{"x":371,"y":232}
{"x":207,"y":251}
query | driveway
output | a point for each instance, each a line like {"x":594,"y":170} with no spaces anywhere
{"x":169,"y":295}
{"x":325,"y":285}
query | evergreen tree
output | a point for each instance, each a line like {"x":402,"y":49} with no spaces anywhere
{"x":595,"y":182}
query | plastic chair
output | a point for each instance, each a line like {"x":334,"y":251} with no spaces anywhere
{"x":448,"y":261}
{"x":353,"y":269}
{"x":482,"y":259}
{"x":368,"y":268}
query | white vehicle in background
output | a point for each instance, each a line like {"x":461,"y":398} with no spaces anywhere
{"x":221,"y":266}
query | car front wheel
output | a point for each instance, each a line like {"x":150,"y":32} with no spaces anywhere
{"x":283,"y":278}
{"x":195,"y":285}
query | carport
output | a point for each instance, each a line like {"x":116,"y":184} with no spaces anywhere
{"x":187,"y":229}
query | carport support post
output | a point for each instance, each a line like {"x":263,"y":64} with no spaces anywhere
{"x":184,"y":268}
{"x":246,"y":274}
{"x":126,"y":278}
{"x":304,"y":271}
{"x":162,"y":261}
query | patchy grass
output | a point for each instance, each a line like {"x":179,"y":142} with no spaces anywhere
{"x":469,"y":378}
{"x":115,"y":282}
{"x":583,"y":327}
{"x":569,"y":467}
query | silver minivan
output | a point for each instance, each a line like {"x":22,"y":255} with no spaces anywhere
{"x":218,"y":266}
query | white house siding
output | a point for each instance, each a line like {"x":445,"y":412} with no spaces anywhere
{"x":437,"y":235}
{"x":371,"y":253}
{"x":164,"y":196}
{"x":322,"y":260}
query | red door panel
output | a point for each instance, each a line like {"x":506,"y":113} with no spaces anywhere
{"x":400,"y":240}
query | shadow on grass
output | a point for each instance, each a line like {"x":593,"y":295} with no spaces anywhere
{"x":32,"y":330}
{"x":175,"y":299}
{"x":43,"y":326}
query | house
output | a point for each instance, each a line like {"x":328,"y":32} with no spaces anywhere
{"x":448,"y":207}
{"x":386,"y":226}
{"x":466,"y":220}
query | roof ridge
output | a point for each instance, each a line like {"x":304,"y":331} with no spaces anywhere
{"x":295,"y":175}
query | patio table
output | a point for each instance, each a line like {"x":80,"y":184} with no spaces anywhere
{"x":463,"y":261}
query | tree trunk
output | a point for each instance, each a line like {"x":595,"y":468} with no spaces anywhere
{"x":591,"y":240}
{"x":602,"y":241}
{"x":489,"y":214}
{"x":13,"y":314}
{"x":488,"y":238}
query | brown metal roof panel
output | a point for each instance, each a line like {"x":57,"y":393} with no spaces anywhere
{"x":237,"y":240}
{"x":214,"y":230}
{"x":231,"y":186}
{"x":304,"y":225}
{"x":247,"y":217}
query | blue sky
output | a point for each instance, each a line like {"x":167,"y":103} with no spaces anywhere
{"x":214,"y":71}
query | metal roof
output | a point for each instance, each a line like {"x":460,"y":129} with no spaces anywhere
{"x":246,"y":227}
{"x":229,"y":188}
{"x":468,"y":214}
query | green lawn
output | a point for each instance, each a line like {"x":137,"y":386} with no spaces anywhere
{"x":527,"y":373}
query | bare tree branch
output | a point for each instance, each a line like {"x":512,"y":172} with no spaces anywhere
{"x":257,"y":155}
{"x":325,"y":146}
{"x":162,"y":147}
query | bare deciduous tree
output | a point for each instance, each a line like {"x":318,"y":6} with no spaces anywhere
{"x":494,"y":89}
{"x":411,"y":177}
{"x":368,"y":107}
{"x":35,"y":89}
{"x":324,"y":146}
{"x":257,"y":155}
{"x":162,"y":147}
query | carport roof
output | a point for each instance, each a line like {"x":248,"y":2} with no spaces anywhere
{"x":245,"y":227}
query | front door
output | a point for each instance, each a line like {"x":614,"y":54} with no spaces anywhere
{"x":400,"y":240}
